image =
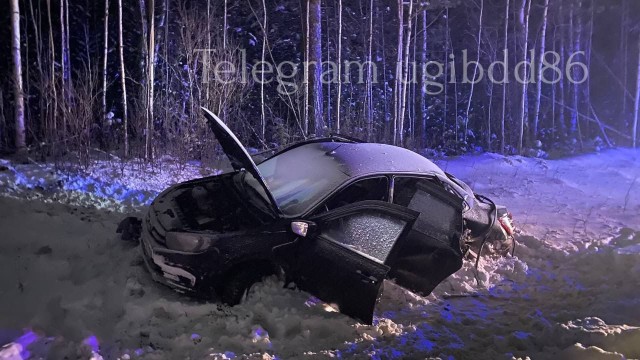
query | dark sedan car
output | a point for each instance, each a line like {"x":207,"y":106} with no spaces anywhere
{"x":334,"y":215}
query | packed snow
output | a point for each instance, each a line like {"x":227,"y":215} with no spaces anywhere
{"x":69,"y":288}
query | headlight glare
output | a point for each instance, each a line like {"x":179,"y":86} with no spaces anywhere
{"x":188,"y":242}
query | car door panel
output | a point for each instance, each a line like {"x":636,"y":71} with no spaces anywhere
{"x":341,"y":277}
{"x":342,"y":272}
{"x":431,"y":251}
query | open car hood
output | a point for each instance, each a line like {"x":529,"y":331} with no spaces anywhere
{"x":236,"y":152}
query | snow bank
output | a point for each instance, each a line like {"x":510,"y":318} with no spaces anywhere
{"x":70,"y":288}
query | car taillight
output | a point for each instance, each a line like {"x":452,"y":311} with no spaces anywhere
{"x":507,"y":224}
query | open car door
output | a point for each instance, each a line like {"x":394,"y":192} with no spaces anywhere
{"x":236,"y":152}
{"x":432,"y":250}
{"x":342,"y":261}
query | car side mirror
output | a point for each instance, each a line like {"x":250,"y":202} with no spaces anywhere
{"x":303,"y":228}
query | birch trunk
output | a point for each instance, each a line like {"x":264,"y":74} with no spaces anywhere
{"x":307,"y":34}
{"x":504,"y":85}
{"x":315,"y":57}
{"x":543,"y":40}
{"x":20,"y":140}
{"x":52,"y":73}
{"x":423,"y":82}
{"x":263,"y":118}
{"x":150,"y":81}
{"x":397,"y":89}
{"x":405,"y":74}
{"x":576,"y":32}
{"x":63,"y":66}
{"x":105,"y":59}
{"x":526,"y":7}
{"x":123,"y":82}
{"x":339,"y":55}
{"x":636,"y":112}
{"x":475,"y":71}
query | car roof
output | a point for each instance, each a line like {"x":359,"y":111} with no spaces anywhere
{"x":361,"y":159}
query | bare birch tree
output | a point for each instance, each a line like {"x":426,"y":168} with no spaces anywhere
{"x":504,"y":84}
{"x":151,"y":65}
{"x":397,"y":89}
{"x":339,"y":57}
{"x":123,"y":82}
{"x":636,"y":112}
{"x":405,"y":74}
{"x":20,"y":140}
{"x":475,"y":70}
{"x":263,"y":118}
{"x":543,"y":40}
{"x":105,"y":58}
{"x":525,"y":13}
{"x":314,"y":42}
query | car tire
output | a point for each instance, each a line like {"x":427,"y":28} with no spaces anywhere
{"x":238,"y":286}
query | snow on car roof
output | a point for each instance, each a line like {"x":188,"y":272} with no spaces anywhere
{"x":359,"y":159}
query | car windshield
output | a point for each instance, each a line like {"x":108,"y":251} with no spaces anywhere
{"x":302,"y":176}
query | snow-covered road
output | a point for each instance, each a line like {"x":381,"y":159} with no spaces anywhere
{"x":69,"y":288}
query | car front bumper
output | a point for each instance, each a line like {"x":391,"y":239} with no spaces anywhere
{"x":184,"y":272}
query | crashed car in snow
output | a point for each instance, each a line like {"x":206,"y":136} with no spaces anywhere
{"x":333,"y":215}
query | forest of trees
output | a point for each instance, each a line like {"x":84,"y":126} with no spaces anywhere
{"x":128,"y":77}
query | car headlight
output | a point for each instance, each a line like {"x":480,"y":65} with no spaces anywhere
{"x":188,"y":242}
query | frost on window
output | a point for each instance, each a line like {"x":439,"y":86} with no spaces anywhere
{"x":437,"y":218}
{"x":372,"y":233}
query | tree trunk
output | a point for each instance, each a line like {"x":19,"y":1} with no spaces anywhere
{"x":123,"y":81}
{"x":543,"y":40}
{"x":636,"y":112}
{"x":370,"y":79}
{"x":475,"y":71}
{"x":224,"y":25}
{"x":52,"y":73}
{"x":424,"y":112}
{"x":576,"y":36}
{"x":405,"y":75}
{"x":445,"y":106}
{"x":64,"y":65}
{"x":263,"y":116}
{"x":315,"y":66}
{"x":105,"y":59}
{"x":150,"y":80}
{"x":524,"y":20}
{"x":20,"y":139}
{"x":339,"y":56}
{"x":305,"y":81}
{"x":624,"y":53}
{"x":504,"y":85}
{"x":397,"y":89}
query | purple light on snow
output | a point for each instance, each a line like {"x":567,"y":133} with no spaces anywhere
{"x":92,"y":342}
{"x":24,"y":341}
{"x":27,"y":339}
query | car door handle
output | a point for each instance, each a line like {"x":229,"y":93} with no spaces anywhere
{"x":367,"y":278}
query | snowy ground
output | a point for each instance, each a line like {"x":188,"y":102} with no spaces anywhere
{"x":70,"y":289}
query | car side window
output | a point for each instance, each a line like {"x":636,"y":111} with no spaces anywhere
{"x":438,"y":218}
{"x":369,"y":232}
{"x":363,"y":190}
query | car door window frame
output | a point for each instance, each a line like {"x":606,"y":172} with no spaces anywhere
{"x":320,"y":207}
{"x":439,"y":192}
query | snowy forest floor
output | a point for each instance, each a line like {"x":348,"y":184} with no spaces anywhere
{"x":70,"y":289}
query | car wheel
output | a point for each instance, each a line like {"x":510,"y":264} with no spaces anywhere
{"x":238,"y":286}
